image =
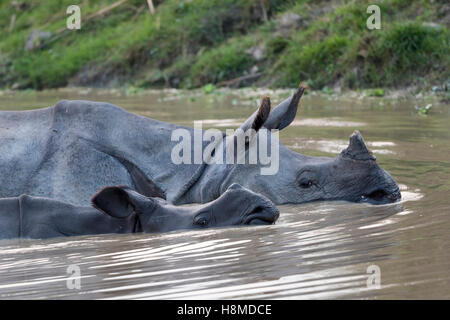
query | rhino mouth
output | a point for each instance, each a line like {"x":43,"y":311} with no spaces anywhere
{"x":381,"y":196}
{"x":261,"y":215}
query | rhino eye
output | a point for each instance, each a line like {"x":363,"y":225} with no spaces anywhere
{"x":306,"y":184}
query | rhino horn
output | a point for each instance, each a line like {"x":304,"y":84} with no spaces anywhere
{"x":357,"y":149}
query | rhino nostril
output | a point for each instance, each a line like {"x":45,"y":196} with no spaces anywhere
{"x":377,"y":195}
{"x":262,"y":215}
{"x":257,"y":210}
{"x":380,"y":196}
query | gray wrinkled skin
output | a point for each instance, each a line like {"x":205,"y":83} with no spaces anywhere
{"x":69,"y":151}
{"x":317,"y":178}
{"x":122,"y":210}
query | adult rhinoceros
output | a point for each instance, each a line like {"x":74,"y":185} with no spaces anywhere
{"x":119,"y":209}
{"x":70,"y":150}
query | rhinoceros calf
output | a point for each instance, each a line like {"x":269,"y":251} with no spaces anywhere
{"x":119,"y":209}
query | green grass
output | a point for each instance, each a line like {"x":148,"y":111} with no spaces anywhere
{"x":221,"y":63}
{"x":338,"y":48}
{"x":406,"y":51}
{"x":318,"y":63}
{"x":194,"y":43}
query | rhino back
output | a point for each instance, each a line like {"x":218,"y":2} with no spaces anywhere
{"x":71,"y":150}
{"x":62,"y":152}
{"x":23,"y":139}
{"x":47,"y":218}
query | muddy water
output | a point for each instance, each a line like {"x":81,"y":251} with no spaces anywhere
{"x":316,"y":250}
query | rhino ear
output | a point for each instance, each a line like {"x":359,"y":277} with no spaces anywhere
{"x":118,"y":201}
{"x":285,"y":112}
{"x":259,"y":117}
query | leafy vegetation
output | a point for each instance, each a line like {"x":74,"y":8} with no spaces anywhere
{"x":378,"y":92}
{"x":191,"y":43}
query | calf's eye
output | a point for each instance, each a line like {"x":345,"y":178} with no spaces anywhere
{"x":201,"y":221}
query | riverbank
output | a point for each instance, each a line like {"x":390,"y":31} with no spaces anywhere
{"x":245,"y":97}
{"x":189,"y":44}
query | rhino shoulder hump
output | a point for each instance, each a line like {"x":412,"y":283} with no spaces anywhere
{"x":74,"y":106}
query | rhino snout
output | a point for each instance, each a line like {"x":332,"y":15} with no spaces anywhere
{"x":387,"y":191}
{"x":262,"y":214}
{"x":381,"y":196}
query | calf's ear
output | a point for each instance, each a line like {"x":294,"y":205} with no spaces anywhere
{"x":117,"y":201}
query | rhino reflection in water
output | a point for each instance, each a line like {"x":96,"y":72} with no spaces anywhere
{"x":69,"y":151}
{"x":122,"y":210}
